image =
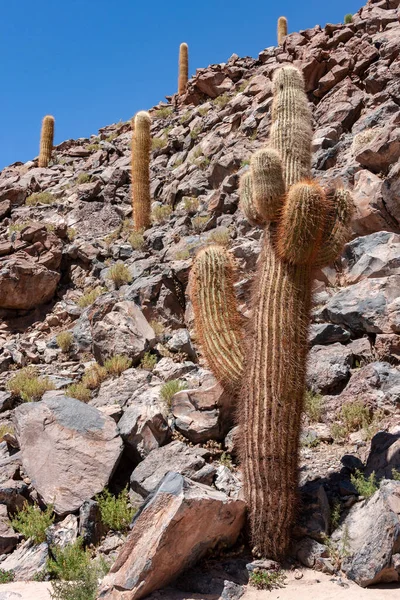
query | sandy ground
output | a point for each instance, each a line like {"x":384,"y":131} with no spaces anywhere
{"x":312,"y":586}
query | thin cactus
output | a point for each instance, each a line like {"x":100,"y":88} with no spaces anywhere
{"x":46,"y":141}
{"x":183,"y":68}
{"x":141,"y":146}
{"x":305,"y":228}
{"x":282,"y":30}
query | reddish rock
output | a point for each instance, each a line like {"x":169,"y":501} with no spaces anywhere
{"x":24,"y":283}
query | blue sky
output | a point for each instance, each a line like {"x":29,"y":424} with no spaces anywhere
{"x":95,"y":62}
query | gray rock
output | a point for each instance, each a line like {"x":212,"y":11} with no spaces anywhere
{"x":329,"y":368}
{"x":327,"y":333}
{"x":384,"y":455}
{"x":63,"y":533}
{"x":123,"y":330}
{"x":374,"y":255}
{"x":176,"y":457}
{"x":8,"y":537}
{"x":173,"y":530}
{"x":167,"y":369}
{"x":307,"y":551}
{"x":90,"y":524}
{"x":143,"y":426}
{"x":69,"y":450}
{"x":181,"y":342}
{"x":371,"y":305}
{"x":27,"y":560}
{"x":125,"y":389}
{"x":371,"y":534}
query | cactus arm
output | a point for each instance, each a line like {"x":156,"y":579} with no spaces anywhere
{"x":46,"y":141}
{"x":301,"y":225}
{"x":337,"y":227}
{"x":247,"y":200}
{"x":218,"y":324}
{"x":141,"y":145}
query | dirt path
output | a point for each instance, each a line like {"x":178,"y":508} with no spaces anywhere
{"x":317,"y":586}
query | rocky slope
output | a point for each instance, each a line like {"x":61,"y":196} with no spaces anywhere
{"x":69,"y":263}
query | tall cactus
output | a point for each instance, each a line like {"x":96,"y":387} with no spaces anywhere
{"x":304,"y":228}
{"x":46,"y":141}
{"x":282,"y":30}
{"x":183,"y":68}
{"x":141,"y":146}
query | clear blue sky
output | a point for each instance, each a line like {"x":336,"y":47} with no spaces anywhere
{"x":95,"y":62}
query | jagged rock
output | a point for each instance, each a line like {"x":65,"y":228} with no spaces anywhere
{"x":167,"y":369}
{"x":384,"y":455}
{"x":203,"y":414}
{"x":143,"y":426}
{"x":327,"y":333}
{"x":90,"y":524}
{"x":63,"y":533}
{"x":371,"y":534}
{"x":176,"y":457}
{"x":382,"y":152}
{"x":371,"y":305}
{"x":8,"y":538}
{"x":375,"y":255}
{"x":69,"y":450}
{"x":24,"y":283}
{"x":307,"y":551}
{"x":27,"y":561}
{"x":175,"y":528}
{"x":125,"y":389}
{"x":329,"y":368}
{"x":123,"y":330}
{"x":181,"y":342}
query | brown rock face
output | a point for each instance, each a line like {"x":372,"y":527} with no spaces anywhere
{"x":24,"y":283}
{"x":173,"y":530}
{"x":69,"y":450}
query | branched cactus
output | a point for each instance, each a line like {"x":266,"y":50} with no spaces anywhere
{"x":282,"y":30}
{"x":183,"y":68}
{"x":305,"y":228}
{"x":46,"y":141}
{"x":141,"y":146}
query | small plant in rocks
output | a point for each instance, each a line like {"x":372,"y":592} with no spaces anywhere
{"x":171,"y":388}
{"x":28,"y":385}
{"x":32,"y":522}
{"x":365,"y":486}
{"x":117,"y":364}
{"x":267,"y":580}
{"x":119,"y":274}
{"x":116,"y":511}
{"x":64,"y":341}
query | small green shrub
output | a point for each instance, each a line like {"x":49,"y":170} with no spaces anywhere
{"x":71,"y":234}
{"x":160,"y":214}
{"x":16,"y":227}
{"x":119,"y":274}
{"x":40,"y":198}
{"x":117,"y":365}
{"x":6,"y":429}
{"x":242,"y":86}
{"x":64,"y":341}
{"x":195,"y":132}
{"x":177,"y":163}
{"x":335,"y":515}
{"x":226,"y":460}
{"x":191,"y":205}
{"x":93,"y":147}
{"x":203,"y":110}
{"x":75,"y":575}
{"x":182,"y":254}
{"x":83,"y":178}
{"x":158,"y":142}
{"x":221,"y":101}
{"x":245,"y":162}
{"x":396,"y":474}
{"x":220,"y":236}
{"x":267,"y":580}
{"x":27,"y":384}
{"x":90,"y":296}
{"x":148,"y":361}
{"x":355,"y":416}
{"x":163,"y":112}
{"x":116,"y":511}
{"x":365,"y":486}
{"x":348,"y":19}
{"x":94,"y":376}
{"x":313,"y":406}
{"x":32,"y":522}
{"x":137,"y":240}
{"x":170,"y":388}
{"x":199,"y":222}
{"x":185,"y":117}
{"x":338,"y":432}
{"x":157,"y":327}
{"x":6,"y":576}
{"x":110,"y":138}
{"x":79,"y":391}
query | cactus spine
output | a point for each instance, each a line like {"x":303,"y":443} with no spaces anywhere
{"x":282,"y":30}
{"x":141,"y":146}
{"x":304,"y":228}
{"x":46,"y":141}
{"x":183,"y":68}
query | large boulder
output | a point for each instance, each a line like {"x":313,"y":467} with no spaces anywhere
{"x":123,"y":330}
{"x":25,"y":283}
{"x":27,"y":561}
{"x":370,"y":535}
{"x":374,"y":255}
{"x":69,"y":450}
{"x":329,"y":368}
{"x":384,"y":456}
{"x":174,"y":529}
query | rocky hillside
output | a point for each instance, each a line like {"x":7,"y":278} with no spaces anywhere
{"x":97,"y":328}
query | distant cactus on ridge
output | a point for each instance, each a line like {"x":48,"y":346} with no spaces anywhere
{"x":46,"y":141}
{"x":183,"y":68}
{"x":282,"y":30}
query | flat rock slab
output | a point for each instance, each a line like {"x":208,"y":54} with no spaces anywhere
{"x":27,"y":560}
{"x":69,"y":450}
{"x":174,"y":529}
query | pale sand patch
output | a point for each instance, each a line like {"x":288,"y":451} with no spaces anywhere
{"x":25,"y":590}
